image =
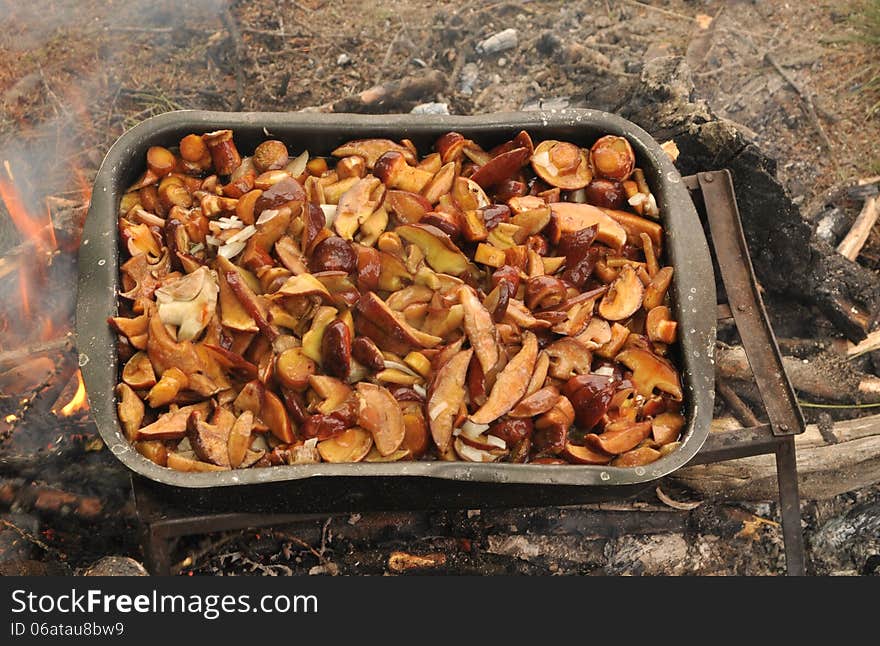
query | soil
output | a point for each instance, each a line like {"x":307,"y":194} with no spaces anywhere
{"x":75,"y":75}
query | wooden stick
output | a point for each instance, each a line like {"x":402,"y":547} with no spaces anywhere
{"x":852,"y":244}
{"x":823,"y":377}
{"x":737,"y":406}
{"x":12,"y":357}
{"x":388,"y":96}
{"x":844,"y":459}
{"x":23,"y":253}
{"x":665,"y":12}
{"x":866,"y":345}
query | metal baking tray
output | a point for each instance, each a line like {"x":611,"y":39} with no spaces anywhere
{"x":693,"y":296}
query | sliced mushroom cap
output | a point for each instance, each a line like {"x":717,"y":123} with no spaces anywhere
{"x":619,"y":440}
{"x":480,"y":328}
{"x":624,"y":296}
{"x":440,"y":251}
{"x":130,"y":409}
{"x":378,"y":320}
{"x":138,"y":372}
{"x":352,"y":445}
{"x":666,"y":427}
{"x":468,"y":195}
{"x":407,"y":206}
{"x":372,"y":149}
{"x":451,"y":146}
{"x":446,"y":396}
{"x":356,"y":205}
{"x":635,"y":226}
{"x":637,"y":457}
{"x":569,"y":217}
{"x":613,"y":157}
{"x":142,"y":275}
{"x":501,"y":167}
{"x":562,"y":164}
{"x":380,"y":414}
{"x":585,"y":454}
{"x":568,"y":357}
{"x":304,"y":285}
{"x":209,"y":441}
{"x":660,"y":325}
{"x":650,"y":372}
{"x":512,"y":383}
{"x":171,"y":425}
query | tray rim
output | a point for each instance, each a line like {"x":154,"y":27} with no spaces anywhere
{"x":686,"y":245}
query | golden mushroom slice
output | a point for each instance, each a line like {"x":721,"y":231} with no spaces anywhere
{"x":660,"y":325}
{"x":511,"y":384}
{"x":562,"y":164}
{"x":650,"y":372}
{"x":570,"y":217}
{"x":372,"y":149}
{"x":440,"y":251}
{"x":585,"y":455}
{"x":356,"y":205}
{"x":624,"y":296}
{"x":138,"y":372}
{"x":380,"y":414}
{"x":445,"y":397}
{"x":666,"y":427}
{"x":352,"y":445}
{"x":332,"y":392}
{"x":239,"y":440}
{"x":620,"y":439}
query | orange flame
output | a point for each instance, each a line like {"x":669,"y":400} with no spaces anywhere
{"x":23,"y":292}
{"x":42,"y":233}
{"x":79,"y":401}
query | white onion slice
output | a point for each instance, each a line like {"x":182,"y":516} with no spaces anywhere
{"x":230,"y":223}
{"x":297,"y":166}
{"x":243,"y":235}
{"x":231,"y":249}
{"x":329,"y":214}
{"x":266,"y":216}
{"x":473,"y":430}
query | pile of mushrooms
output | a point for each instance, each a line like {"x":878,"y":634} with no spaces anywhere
{"x":507,"y":304}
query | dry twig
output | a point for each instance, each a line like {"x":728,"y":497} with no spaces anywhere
{"x":12,"y":357}
{"x":33,"y":539}
{"x":857,"y":236}
{"x":869,"y":344}
{"x":738,"y":407}
{"x":675,"y":504}
{"x":194,"y":557}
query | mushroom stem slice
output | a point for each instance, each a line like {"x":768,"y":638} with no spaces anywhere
{"x":511,"y":383}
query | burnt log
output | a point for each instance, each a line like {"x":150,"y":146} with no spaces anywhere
{"x":788,"y":258}
{"x":843,"y":459}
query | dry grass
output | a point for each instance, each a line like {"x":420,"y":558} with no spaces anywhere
{"x":866,"y":19}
